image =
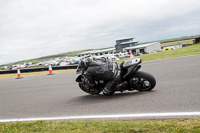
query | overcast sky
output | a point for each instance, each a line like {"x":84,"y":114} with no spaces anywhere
{"x":35,"y":28}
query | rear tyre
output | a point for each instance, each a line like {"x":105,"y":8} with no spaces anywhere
{"x":142,"y":81}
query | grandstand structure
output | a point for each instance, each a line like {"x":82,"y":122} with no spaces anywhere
{"x":125,"y":42}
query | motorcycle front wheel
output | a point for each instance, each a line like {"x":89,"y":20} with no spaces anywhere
{"x":142,"y":81}
{"x":87,"y":89}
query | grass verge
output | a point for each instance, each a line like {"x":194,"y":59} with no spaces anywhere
{"x":185,"y":51}
{"x":150,"y":126}
{"x":3,"y":76}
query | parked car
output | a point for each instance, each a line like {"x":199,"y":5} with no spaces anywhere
{"x":168,"y":48}
{"x":122,"y":55}
{"x":65,"y":63}
{"x":12,"y":67}
{"x":41,"y":63}
{"x":138,"y":54}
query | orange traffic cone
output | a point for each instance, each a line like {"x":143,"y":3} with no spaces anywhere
{"x":50,"y":69}
{"x":131,"y":55}
{"x":18,"y":74}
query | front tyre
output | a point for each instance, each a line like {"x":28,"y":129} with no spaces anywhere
{"x":109,"y":94}
{"x":87,"y":89}
{"x":142,"y":81}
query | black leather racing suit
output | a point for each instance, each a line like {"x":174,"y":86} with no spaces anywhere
{"x":104,"y":71}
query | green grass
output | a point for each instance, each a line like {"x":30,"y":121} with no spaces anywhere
{"x":190,"y":50}
{"x":137,"y":126}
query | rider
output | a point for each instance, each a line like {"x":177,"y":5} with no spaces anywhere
{"x":102,"y":70}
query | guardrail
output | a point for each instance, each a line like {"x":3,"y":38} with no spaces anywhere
{"x":39,"y":69}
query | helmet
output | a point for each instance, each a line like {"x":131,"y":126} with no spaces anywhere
{"x":85,"y":63}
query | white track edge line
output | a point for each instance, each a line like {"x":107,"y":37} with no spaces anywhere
{"x":172,"y":114}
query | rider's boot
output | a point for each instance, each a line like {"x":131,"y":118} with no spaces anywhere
{"x":121,"y":86}
{"x":108,"y":89}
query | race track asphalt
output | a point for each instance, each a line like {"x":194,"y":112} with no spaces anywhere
{"x":177,"y":90}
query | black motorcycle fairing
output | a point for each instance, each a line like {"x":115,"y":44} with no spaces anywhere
{"x":130,"y":70}
{"x":78,"y":78}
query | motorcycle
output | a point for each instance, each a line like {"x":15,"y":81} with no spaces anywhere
{"x":131,"y":79}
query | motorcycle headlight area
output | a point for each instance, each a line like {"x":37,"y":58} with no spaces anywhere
{"x":131,"y":61}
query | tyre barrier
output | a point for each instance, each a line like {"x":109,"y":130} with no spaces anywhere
{"x":39,"y":69}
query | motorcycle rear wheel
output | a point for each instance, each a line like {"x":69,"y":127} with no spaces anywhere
{"x":87,"y":89}
{"x":142,"y":81}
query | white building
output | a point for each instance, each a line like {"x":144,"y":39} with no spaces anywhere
{"x":177,"y":46}
{"x":145,"y":48}
{"x":98,"y":52}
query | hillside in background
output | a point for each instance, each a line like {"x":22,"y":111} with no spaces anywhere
{"x":181,"y":38}
{"x":174,"y":39}
{"x":36,"y":60}
{"x":50,"y":57}
{"x":74,"y":53}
